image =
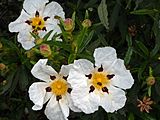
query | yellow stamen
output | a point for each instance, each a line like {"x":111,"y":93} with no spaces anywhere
{"x":59,"y":87}
{"x":37,"y":23}
{"x":99,"y":80}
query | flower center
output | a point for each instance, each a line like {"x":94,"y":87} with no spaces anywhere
{"x":99,"y":80}
{"x":59,"y":87}
{"x":37,"y":23}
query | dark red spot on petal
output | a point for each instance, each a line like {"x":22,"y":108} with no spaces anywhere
{"x":58,"y":97}
{"x":100,"y":69}
{"x":48,"y":89}
{"x":105,"y":89}
{"x":99,"y":83}
{"x":28,"y":22}
{"x":65,"y":77}
{"x":91,"y":89}
{"x":69,"y":90}
{"x":52,"y":77}
{"x":37,"y":14}
{"x":110,"y":76}
{"x":46,"y":18}
{"x":89,"y":76}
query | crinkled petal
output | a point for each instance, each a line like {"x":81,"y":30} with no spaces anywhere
{"x":53,"y":110}
{"x":71,"y":104}
{"x":104,"y":54}
{"x":84,"y":65}
{"x":53,"y":9}
{"x":31,"y":6}
{"x":114,"y":100}
{"x":42,"y":71}
{"x":123,"y":78}
{"x":65,"y":69}
{"x":19,"y":24}
{"x":76,"y":78}
{"x":37,"y":94}
{"x":64,"y":105}
{"x":82,"y":99}
{"x":26,"y":40}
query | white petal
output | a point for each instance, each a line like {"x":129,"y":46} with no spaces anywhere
{"x":104,"y":54}
{"x":51,"y":25}
{"x":19,"y":24}
{"x":114,"y":100}
{"x":37,"y":94}
{"x":31,"y":6}
{"x":83,"y":65}
{"x":71,"y":104}
{"x":53,"y":110}
{"x":83,"y":100}
{"x":123,"y":78}
{"x":42,"y":71}
{"x":53,"y":9}
{"x":65,"y":69}
{"x":76,"y":78}
{"x":26,"y":40}
{"x":64,"y":106}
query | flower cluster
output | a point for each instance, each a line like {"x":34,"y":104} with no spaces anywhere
{"x":81,"y":86}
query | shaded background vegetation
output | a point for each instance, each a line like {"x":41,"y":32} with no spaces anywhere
{"x":133,"y":31}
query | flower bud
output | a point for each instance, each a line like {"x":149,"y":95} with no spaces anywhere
{"x":39,"y":41}
{"x":150,"y":81}
{"x":68,"y":24}
{"x":1,"y":45}
{"x":2,"y":66}
{"x":45,"y":50}
{"x":86,"y":23}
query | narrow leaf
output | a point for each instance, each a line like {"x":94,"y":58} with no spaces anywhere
{"x":144,"y":12}
{"x":103,"y":13}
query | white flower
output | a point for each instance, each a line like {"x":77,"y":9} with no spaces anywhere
{"x":54,"y":89}
{"x":36,"y":17}
{"x":100,"y":84}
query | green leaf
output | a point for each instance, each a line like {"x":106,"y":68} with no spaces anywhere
{"x":128,"y":56}
{"x":103,"y":13}
{"x":80,"y":38}
{"x":47,"y":35}
{"x":143,"y":48}
{"x":157,"y":87}
{"x":142,"y":69}
{"x":156,"y":31}
{"x":23,"y":78}
{"x":71,"y":58}
{"x":34,"y":35}
{"x":129,"y":40}
{"x":149,"y":91}
{"x":94,"y":45}
{"x":144,"y":12}
{"x":114,"y":16}
{"x":86,"y":41}
{"x":10,"y":79}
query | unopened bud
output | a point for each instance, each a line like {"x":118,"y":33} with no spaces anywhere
{"x":1,"y":45}
{"x":68,"y":24}
{"x":4,"y":82}
{"x":2,"y":66}
{"x":150,"y":80}
{"x":86,"y":23}
{"x":45,"y":50}
{"x":39,"y":41}
{"x":30,"y":53}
